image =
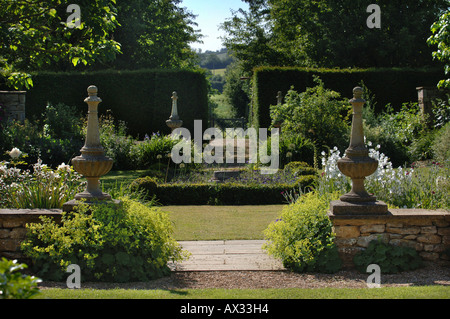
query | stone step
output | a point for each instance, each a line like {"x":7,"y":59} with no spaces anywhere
{"x":223,"y":255}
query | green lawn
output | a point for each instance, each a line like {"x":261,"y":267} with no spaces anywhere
{"x":423,"y":292}
{"x":222,"y":222}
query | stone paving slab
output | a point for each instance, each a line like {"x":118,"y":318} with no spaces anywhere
{"x":222,"y":255}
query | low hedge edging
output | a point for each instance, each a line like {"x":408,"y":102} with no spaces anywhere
{"x":219,"y":193}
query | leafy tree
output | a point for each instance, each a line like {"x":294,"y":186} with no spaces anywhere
{"x":35,"y":35}
{"x":333,"y":33}
{"x":441,"y":37}
{"x":330,"y":33}
{"x":250,"y":37}
{"x":155,"y":34}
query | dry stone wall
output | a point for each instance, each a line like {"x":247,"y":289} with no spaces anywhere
{"x":13,"y":228}
{"x":427,"y":231}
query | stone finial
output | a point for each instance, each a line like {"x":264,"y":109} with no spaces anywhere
{"x":279,"y":97}
{"x":174,"y":120}
{"x":356,"y":164}
{"x":92,"y":163}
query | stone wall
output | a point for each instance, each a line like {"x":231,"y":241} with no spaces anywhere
{"x":14,"y":101}
{"x":13,"y":228}
{"x":427,"y":231}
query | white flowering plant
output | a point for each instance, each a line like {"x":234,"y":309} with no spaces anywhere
{"x":41,"y":188}
{"x":413,"y":187}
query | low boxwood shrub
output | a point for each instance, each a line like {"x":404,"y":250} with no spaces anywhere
{"x":300,"y":168}
{"x":129,"y":242}
{"x":390,"y":258}
{"x":302,"y":236}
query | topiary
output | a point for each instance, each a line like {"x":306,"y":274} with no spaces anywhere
{"x":390,"y":258}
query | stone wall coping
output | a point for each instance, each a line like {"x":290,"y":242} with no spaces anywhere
{"x":398,"y":213}
{"x":5,"y":212}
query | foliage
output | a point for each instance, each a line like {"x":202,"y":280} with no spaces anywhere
{"x":55,"y":139}
{"x":398,"y":133}
{"x":126,"y":243}
{"x":300,"y":168}
{"x":155,"y":34}
{"x":35,"y":36}
{"x":236,"y":90}
{"x":250,"y":189}
{"x":317,"y":114}
{"x":116,"y":142}
{"x":62,"y":121}
{"x":267,"y":81}
{"x":327,"y":33}
{"x":153,"y":150}
{"x":13,"y":284}
{"x":415,"y":187}
{"x":441,"y":144}
{"x":42,"y":188}
{"x":302,"y":237}
{"x":390,"y":258}
{"x":441,"y":37}
{"x":250,"y":38}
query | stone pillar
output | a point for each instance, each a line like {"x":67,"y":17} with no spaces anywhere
{"x":356,"y":164}
{"x":14,"y":103}
{"x":174,"y":120}
{"x":92,"y":163}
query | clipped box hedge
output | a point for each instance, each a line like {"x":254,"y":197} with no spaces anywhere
{"x":141,"y":98}
{"x":219,"y":193}
{"x":395,"y":86}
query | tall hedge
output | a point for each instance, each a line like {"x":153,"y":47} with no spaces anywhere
{"x":394,"y":86}
{"x":141,"y":98}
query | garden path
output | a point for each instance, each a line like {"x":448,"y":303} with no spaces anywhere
{"x":222,"y":255}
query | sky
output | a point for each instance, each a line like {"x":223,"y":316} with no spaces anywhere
{"x":211,"y":13}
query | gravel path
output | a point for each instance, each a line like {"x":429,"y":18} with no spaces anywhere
{"x":431,"y":274}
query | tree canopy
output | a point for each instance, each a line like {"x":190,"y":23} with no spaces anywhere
{"x":35,"y":35}
{"x":330,"y":33}
{"x":40,"y":35}
{"x":441,"y":38}
{"x":155,"y":34}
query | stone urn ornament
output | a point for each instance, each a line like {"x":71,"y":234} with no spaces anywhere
{"x":174,"y":120}
{"x":357,"y":165}
{"x":92,"y":163}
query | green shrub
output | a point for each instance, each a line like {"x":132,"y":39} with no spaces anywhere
{"x":318,"y":114}
{"x":441,"y":144}
{"x":302,"y":237}
{"x":13,"y":284}
{"x":390,"y":258}
{"x":116,"y":142}
{"x":153,"y":150}
{"x":146,"y":183}
{"x":267,"y":81}
{"x":132,"y":242}
{"x":295,"y":147}
{"x":300,"y":168}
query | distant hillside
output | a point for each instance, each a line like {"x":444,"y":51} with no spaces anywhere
{"x":215,"y":60}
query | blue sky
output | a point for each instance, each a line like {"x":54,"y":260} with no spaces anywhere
{"x":211,"y":13}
